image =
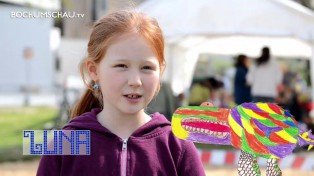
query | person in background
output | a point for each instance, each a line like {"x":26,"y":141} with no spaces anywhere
{"x":265,"y":77}
{"x":218,"y":95}
{"x":179,"y":100}
{"x":124,"y":64}
{"x":200,"y":92}
{"x":242,"y":91}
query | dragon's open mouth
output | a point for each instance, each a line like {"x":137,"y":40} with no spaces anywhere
{"x":218,"y":129}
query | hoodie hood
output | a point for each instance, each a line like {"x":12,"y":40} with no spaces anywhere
{"x":88,"y":121}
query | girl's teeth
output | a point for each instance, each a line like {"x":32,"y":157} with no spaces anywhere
{"x":133,"y":96}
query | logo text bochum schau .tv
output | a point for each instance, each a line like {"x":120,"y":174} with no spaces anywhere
{"x":56,"y":142}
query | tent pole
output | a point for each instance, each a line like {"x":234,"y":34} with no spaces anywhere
{"x":312,"y":71}
{"x":170,"y":63}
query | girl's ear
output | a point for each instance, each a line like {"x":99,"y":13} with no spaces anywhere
{"x":91,"y":68}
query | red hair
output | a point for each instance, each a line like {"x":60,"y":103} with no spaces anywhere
{"x":104,"y":32}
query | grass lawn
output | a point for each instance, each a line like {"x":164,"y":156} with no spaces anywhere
{"x":12,"y":123}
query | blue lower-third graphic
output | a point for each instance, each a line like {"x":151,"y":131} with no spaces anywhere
{"x":56,"y":142}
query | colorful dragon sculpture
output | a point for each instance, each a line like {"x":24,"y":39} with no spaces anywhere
{"x":257,"y":129}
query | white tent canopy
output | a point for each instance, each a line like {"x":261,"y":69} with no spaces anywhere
{"x":179,"y":18}
{"x":228,"y":27}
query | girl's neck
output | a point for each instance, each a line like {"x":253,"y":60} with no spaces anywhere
{"x":123,"y":125}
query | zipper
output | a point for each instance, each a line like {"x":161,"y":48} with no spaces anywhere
{"x":124,"y":157}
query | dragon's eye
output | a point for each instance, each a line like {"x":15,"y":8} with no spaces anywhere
{"x":207,"y":104}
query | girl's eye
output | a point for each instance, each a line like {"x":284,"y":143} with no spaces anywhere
{"x":147,"y":68}
{"x":121,"y":65}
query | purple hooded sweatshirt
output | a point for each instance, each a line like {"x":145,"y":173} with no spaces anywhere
{"x":152,"y":150}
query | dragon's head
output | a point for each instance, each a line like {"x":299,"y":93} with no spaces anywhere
{"x":202,"y":124}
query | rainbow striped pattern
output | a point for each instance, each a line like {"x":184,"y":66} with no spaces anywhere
{"x":263,"y":129}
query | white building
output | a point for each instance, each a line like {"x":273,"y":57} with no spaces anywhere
{"x":26,"y":47}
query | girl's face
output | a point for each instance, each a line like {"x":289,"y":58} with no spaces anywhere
{"x":128,"y":74}
{"x":246,"y":62}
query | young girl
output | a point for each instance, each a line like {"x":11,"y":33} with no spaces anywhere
{"x":125,"y":62}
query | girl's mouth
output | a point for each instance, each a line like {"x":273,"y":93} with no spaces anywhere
{"x":133,"y":96}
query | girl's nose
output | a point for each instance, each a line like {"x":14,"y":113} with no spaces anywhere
{"x":134,"y":79}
